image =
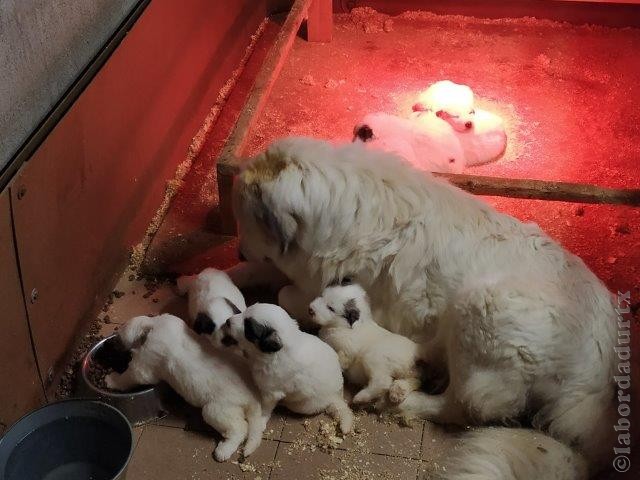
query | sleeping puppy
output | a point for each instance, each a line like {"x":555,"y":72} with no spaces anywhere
{"x":370,"y":356}
{"x":213,"y":298}
{"x":288,"y":365}
{"x":452,"y":102}
{"x":165,"y":349}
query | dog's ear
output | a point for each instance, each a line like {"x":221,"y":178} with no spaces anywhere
{"x":234,"y":309}
{"x":184,"y":283}
{"x":281,"y":226}
{"x":265,"y":338}
{"x":351,"y":312}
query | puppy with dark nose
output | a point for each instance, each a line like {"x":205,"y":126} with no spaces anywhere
{"x":373,"y":358}
{"x":290,"y":366}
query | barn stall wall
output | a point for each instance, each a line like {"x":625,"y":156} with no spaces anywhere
{"x":89,"y":191}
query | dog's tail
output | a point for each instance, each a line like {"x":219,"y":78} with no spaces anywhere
{"x":340,"y":411}
{"x":135,"y":331}
{"x":514,"y":454}
{"x":257,"y":424}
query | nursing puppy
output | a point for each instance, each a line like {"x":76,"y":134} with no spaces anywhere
{"x":165,"y":349}
{"x":521,"y":326}
{"x":428,"y":143}
{"x":290,"y":366}
{"x":452,"y":102}
{"x":213,"y":298}
{"x":371,"y":357}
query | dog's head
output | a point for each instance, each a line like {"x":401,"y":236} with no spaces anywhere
{"x":340,"y":306}
{"x":262,"y":329}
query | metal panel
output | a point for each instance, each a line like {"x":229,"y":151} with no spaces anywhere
{"x":94,"y":184}
{"x":20,"y":386}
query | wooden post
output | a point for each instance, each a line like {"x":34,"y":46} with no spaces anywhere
{"x":320,"y":21}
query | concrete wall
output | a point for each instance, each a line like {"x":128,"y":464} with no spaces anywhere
{"x":44,"y":45}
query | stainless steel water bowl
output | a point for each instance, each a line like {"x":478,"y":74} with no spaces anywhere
{"x":140,"y":406}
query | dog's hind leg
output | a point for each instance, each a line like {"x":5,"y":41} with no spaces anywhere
{"x":228,"y":422}
{"x":256,"y":426}
{"x":340,"y":411}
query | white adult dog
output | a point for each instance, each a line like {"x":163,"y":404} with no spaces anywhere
{"x":372,"y":357}
{"x":522,"y":326}
{"x":288,"y":365}
{"x":213,"y":298}
{"x":165,"y":349}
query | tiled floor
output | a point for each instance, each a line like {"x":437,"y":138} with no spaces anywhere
{"x":180,"y":445}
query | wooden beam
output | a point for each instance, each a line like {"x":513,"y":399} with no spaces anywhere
{"x":527,"y":188}
{"x":543,"y":189}
{"x":262,"y":86}
{"x":320,"y":21}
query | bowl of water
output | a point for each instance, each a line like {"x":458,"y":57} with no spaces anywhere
{"x":70,"y":440}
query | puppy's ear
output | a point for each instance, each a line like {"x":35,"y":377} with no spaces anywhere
{"x":271,"y":343}
{"x":351,"y":312}
{"x":203,"y":324}
{"x":280,"y":225}
{"x":234,"y":309}
{"x":184,"y":283}
{"x":341,"y":282}
{"x":265,"y":338}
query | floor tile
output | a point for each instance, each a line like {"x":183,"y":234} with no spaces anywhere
{"x":291,"y":463}
{"x":437,"y":442}
{"x":171,"y":454}
{"x":371,"y":434}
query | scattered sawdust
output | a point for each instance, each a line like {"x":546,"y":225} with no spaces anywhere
{"x":371,"y":21}
{"x":308,"y":80}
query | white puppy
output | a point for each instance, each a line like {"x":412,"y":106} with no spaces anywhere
{"x":288,"y":365}
{"x":165,"y":349}
{"x":520,"y":325}
{"x":212,"y":299}
{"x":370,"y":356}
{"x":450,"y":101}
{"x":429,"y":144}
{"x":485,"y":141}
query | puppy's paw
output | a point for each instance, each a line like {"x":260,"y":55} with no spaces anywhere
{"x":111,"y":381}
{"x":223,"y":452}
{"x":362,"y":397}
{"x":397,"y":392}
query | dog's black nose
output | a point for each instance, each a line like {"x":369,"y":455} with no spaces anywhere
{"x":468,"y":125}
{"x":241,"y":256}
{"x":312,"y":312}
{"x":364,"y":133}
{"x":203,"y":324}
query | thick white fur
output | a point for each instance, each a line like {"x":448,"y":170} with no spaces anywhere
{"x":522,"y":326}
{"x":165,"y":349}
{"x":371,"y":356}
{"x":210,"y":292}
{"x":429,"y":144}
{"x":450,"y":101}
{"x":299,"y":370}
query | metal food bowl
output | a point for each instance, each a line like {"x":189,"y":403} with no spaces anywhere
{"x":69,"y":440}
{"x":141,"y":405}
